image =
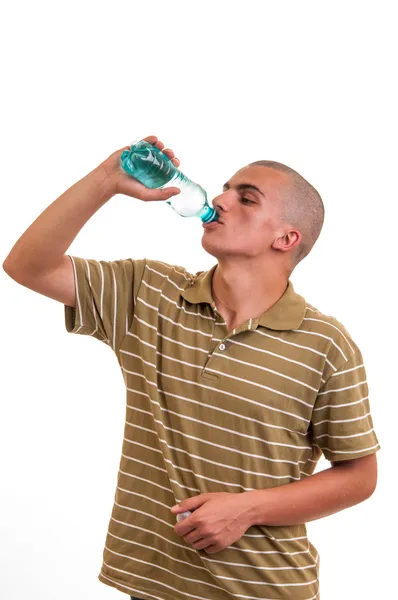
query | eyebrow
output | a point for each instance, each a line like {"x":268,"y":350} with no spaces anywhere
{"x":244,"y":186}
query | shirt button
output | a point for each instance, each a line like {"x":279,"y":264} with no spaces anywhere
{"x":222,"y":346}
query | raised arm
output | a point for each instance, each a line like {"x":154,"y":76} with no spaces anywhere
{"x":38,"y":260}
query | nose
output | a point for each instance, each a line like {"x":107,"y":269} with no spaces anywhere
{"x":222,"y":203}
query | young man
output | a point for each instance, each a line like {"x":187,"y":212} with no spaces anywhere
{"x":235,"y":387}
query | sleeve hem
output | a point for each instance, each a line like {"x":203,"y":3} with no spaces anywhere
{"x":332,"y":457}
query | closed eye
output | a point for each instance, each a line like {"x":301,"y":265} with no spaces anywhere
{"x":247,"y":200}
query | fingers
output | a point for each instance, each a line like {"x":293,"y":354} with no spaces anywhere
{"x":156,"y":194}
{"x":152,"y":139}
{"x":169,"y":192}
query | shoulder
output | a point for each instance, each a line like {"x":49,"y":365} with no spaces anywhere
{"x":176,"y":274}
{"x":335,"y":333}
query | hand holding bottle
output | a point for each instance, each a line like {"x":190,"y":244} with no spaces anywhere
{"x":151,"y":166}
{"x":122,"y":183}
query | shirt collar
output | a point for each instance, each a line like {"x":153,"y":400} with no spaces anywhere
{"x":286,"y":314}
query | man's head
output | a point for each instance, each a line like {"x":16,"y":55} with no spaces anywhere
{"x":267,"y":211}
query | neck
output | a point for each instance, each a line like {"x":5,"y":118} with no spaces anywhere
{"x":244,"y":290}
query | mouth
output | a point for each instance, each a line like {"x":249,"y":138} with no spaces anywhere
{"x":212,"y":224}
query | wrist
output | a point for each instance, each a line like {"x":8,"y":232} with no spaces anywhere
{"x":256,"y":502}
{"x":105,"y":182}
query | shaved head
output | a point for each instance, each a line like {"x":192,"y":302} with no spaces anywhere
{"x":301,"y":207}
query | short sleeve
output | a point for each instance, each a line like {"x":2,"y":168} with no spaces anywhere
{"x":342,"y":425}
{"x":106,"y":292}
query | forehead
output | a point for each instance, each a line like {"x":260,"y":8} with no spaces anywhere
{"x":265,"y":178}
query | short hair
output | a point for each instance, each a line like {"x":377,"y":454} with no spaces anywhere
{"x":302,"y":207}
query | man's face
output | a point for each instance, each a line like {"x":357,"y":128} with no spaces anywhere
{"x":249,"y":218}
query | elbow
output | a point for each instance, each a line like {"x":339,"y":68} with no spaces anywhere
{"x":363,"y":471}
{"x":7,"y":266}
{"x":370,"y":487}
{"x":10,"y":269}
{"x":371,"y":476}
{"x":14,"y":270}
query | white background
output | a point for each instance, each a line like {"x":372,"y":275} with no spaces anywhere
{"x":309,"y":84}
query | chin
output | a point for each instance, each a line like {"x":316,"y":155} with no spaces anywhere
{"x":210,"y":248}
{"x":214,"y":249}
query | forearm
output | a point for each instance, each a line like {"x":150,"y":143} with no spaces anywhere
{"x":44,"y":243}
{"x":317,"y":496}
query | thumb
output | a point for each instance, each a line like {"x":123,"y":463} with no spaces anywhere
{"x":165,"y":194}
{"x":188,"y":504}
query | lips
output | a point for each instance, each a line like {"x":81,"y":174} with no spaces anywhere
{"x":212,"y":224}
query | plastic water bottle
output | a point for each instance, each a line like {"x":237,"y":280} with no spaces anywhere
{"x":152,"y":168}
{"x":181,"y":516}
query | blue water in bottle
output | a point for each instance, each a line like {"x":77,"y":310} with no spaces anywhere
{"x":152,"y":168}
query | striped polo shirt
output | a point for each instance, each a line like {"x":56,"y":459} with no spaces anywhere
{"x":209,"y":410}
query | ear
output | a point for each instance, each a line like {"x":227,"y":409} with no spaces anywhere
{"x":287,"y":241}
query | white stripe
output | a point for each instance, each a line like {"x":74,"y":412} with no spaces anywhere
{"x":326,"y":337}
{"x":183,"y":327}
{"x":188,"y":312}
{"x":208,"y":443}
{"x":347,"y":370}
{"x":341,"y":405}
{"x":162,"y":487}
{"x":145,"y":323}
{"x":217,"y":408}
{"x":115,"y":309}
{"x":185,"y":487}
{"x":149,"y":305}
{"x":352,"y":451}
{"x":168,"y":555}
{"x":349,"y":387}
{"x":196,"y":348}
{"x":297,"y":346}
{"x":156,"y":308}
{"x":263,"y":387}
{"x":77,"y":296}
{"x":250,"y":322}
{"x":278,"y":373}
{"x":345,"y":436}
{"x":142,"y":462}
{"x":330,"y":325}
{"x":225,"y":466}
{"x":207,"y":387}
{"x":135,"y":591}
{"x":166,"y":277}
{"x":171,"y":320}
{"x":167,"y":489}
{"x":102,"y":290}
{"x":185,"y":578}
{"x":185,"y":547}
{"x":271,"y":537}
{"x":151,"y":287}
{"x":164,"y":337}
{"x":247,"y":381}
{"x":92,"y":298}
{"x":170,"y":268}
{"x":341,"y":420}
{"x":198,"y":475}
{"x":279,"y":356}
